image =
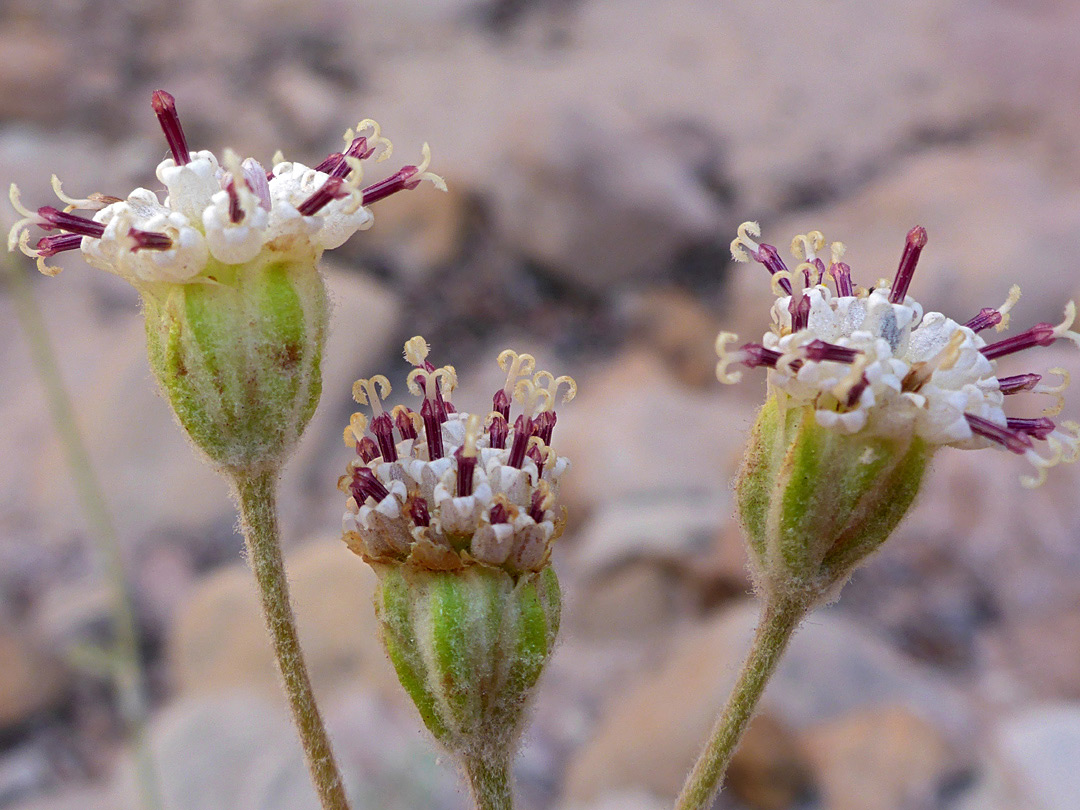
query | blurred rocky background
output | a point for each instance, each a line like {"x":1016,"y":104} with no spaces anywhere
{"x":600,"y":154}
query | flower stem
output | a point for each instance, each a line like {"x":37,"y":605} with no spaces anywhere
{"x":491,"y":781}
{"x":779,"y":618}
{"x":257,"y":500}
{"x":122,"y":657}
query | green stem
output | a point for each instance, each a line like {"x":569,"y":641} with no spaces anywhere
{"x":125,"y":663}
{"x":257,"y":500}
{"x":491,"y":782}
{"x":779,"y":618}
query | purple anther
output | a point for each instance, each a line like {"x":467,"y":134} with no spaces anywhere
{"x":357,"y":149}
{"x":916,"y":241}
{"x":522,"y":431}
{"x":856,"y":391}
{"x":1018,"y":383}
{"x":841,"y":276}
{"x":501,"y":403}
{"x":165,"y":107}
{"x":330,"y":190}
{"x":538,"y":458}
{"x":1041,"y":334}
{"x":758,"y":355}
{"x":819,"y":350}
{"x":770,"y":257}
{"x":544,"y":424}
{"x":55,"y":218}
{"x":432,"y":430}
{"x":1008,"y":438}
{"x":500,"y":428}
{"x":366,"y":449}
{"x":800,"y":312}
{"x":369,"y":484}
{"x":987,"y":317}
{"x":330,"y":162}
{"x":418,"y":511}
{"x":465,"y":466}
{"x":497,"y":514}
{"x":536,"y":506}
{"x":819,"y":267}
{"x":51,"y":245}
{"x":383,"y":428}
{"x":403,"y":420}
{"x":1039,"y":428}
{"x":236,"y":213}
{"x":401,"y":180}
{"x":150,"y":240}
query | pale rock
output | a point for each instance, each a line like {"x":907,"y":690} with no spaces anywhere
{"x":31,"y":681}
{"x":769,"y":771}
{"x":632,"y":600}
{"x":1038,"y":749}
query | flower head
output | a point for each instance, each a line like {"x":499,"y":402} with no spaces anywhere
{"x":215,"y":211}
{"x":872,"y":362}
{"x":444,"y":489}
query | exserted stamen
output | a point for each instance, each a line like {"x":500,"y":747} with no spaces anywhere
{"x":544,"y":425}
{"x":369,"y":485}
{"x":329,"y":163}
{"x":1018,"y":383}
{"x":383,"y":428}
{"x":466,"y":456}
{"x":332,"y":189}
{"x":1039,"y":428}
{"x":515,"y":365}
{"x":418,"y":511}
{"x":150,"y":240}
{"x":754,"y":355}
{"x":819,"y":350}
{"x":498,"y":430}
{"x":799,"y":310}
{"x":769,"y":256}
{"x":72,"y":223}
{"x":522,"y":430}
{"x":165,"y":107}
{"x":841,"y":276}
{"x":401,"y":180}
{"x":538,"y":503}
{"x":404,"y":419}
{"x":432,"y":429}
{"x":1041,"y":334}
{"x":916,"y":241}
{"x":498,"y":513}
{"x":51,"y":245}
{"x":367,"y":449}
{"x":358,"y":150}
{"x":987,"y":317}
{"x":1010,"y":439}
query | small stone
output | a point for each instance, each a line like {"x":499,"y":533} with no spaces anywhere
{"x":768,"y":771}
{"x":31,"y":681}
{"x":1040,"y":748}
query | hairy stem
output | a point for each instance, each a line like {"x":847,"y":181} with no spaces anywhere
{"x":122,"y":659}
{"x":256,"y":497}
{"x":491,"y":782}
{"x":779,"y":618}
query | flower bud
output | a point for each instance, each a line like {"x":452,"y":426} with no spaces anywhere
{"x":814,"y":502}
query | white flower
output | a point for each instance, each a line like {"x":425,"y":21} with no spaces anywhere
{"x":873,"y":361}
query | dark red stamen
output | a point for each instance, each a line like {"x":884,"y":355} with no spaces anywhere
{"x":819,"y":267}
{"x":55,"y":218}
{"x":770,"y":257}
{"x":758,"y":355}
{"x":538,"y":458}
{"x":150,"y":240}
{"x":497,"y":514}
{"x":501,"y":403}
{"x":418,"y":511}
{"x":916,"y":241}
{"x":986,"y":318}
{"x":236,"y":213}
{"x":522,"y":431}
{"x":398,"y":181}
{"x":799,"y":308}
{"x":536,"y":506}
{"x":331,"y":190}
{"x":856,"y":391}
{"x":1041,"y":334}
{"x":366,"y":449}
{"x":357,"y":149}
{"x":432,"y":430}
{"x":51,"y":245}
{"x":370,"y":485}
{"x":383,"y":428}
{"x":329,"y":162}
{"x":499,"y":430}
{"x":1008,"y":438}
{"x":841,"y":276}
{"x":403,"y":420}
{"x":165,"y":107}
{"x":819,"y":350}
{"x":465,"y":466}
{"x":1039,"y":428}
{"x":1018,"y":383}
{"x":544,"y":424}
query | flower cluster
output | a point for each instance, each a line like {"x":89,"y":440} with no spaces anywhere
{"x":452,"y":488}
{"x":229,"y":211}
{"x":872,"y":361}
